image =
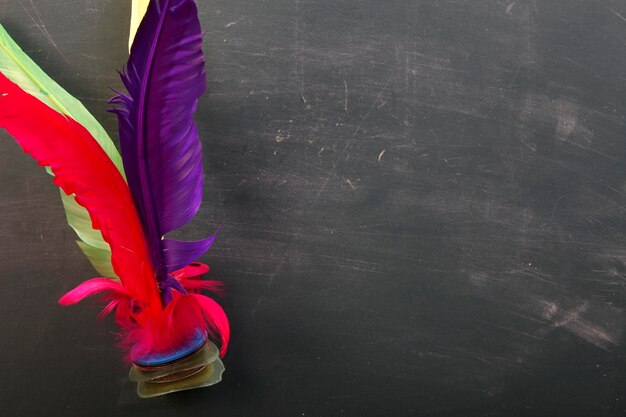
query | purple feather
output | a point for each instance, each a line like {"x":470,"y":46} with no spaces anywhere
{"x":179,"y":254}
{"x":159,"y":141}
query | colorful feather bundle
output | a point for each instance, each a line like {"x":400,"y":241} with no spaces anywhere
{"x":122,"y":214}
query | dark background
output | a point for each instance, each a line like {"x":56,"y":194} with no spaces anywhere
{"x":423,"y":205}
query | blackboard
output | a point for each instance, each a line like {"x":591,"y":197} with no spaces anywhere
{"x":423,"y":206}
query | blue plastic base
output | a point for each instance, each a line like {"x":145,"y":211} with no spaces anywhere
{"x":164,"y":358}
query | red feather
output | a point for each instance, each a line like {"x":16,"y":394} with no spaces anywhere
{"x":81,"y":167}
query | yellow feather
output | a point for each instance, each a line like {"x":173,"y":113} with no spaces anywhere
{"x":138,"y":11}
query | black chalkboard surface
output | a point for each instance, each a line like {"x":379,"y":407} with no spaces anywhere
{"x":423,"y":206}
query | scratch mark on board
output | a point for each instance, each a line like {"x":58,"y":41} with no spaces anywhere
{"x":369,"y":111}
{"x":573,"y":320}
{"x":42,"y":27}
{"x":510,"y":6}
{"x":615,"y":12}
{"x":321,"y":190}
{"x":347,"y":181}
{"x":345,"y":96}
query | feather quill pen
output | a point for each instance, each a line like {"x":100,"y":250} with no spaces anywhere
{"x":162,"y":159}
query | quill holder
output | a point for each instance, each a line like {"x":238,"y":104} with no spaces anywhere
{"x":196,"y":364}
{"x":198,"y":368}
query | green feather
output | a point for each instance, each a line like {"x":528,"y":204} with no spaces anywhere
{"x":20,"y":69}
{"x":99,"y":258}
